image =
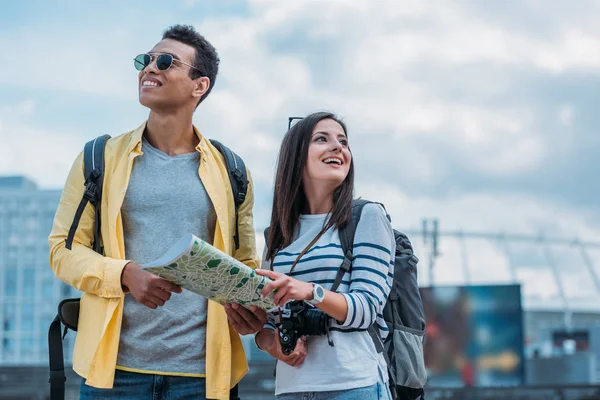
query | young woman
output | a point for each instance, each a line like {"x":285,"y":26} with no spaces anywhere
{"x":312,"y":199}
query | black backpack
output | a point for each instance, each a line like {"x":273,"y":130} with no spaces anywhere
{"x":403,"y":313}
{"x":68,"y":309}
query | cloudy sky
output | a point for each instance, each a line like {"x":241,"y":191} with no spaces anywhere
{"x":482,"y":114}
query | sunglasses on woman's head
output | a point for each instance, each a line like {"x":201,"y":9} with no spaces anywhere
{"x":291,"y":119}
{"x":164,"y":61}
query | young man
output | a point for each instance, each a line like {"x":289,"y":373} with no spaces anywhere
{"x":141,"y":336}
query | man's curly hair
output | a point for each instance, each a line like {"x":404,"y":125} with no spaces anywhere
{"x":206,"y":60}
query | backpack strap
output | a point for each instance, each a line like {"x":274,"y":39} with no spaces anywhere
{"x":68,"y":310}
{"x":236,"y":169}
{"x":68,"y":313}
{"x":234,"y":393}
{"x":57,"y":366}
{"x":347,"y":241}
{"x":347,"y":234}
{"x":380,"y":347}
{"x":93,"y":172}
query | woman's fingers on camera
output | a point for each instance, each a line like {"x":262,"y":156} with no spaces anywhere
{"x":299,"y":354}
{"x":300,"y":349}
{"x":298,"y":361}
{"x":293,"y":363}
{"x":294,"y":359}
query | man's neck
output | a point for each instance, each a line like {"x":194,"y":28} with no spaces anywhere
{"x":171,"y":133}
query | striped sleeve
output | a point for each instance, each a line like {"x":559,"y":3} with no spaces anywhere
{"x":270,"y":324}
{"x":372,"y":269}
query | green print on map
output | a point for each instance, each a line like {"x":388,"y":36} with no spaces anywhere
{"x":210,"y":273}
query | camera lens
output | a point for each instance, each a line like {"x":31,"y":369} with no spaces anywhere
{"x":315,"y":322}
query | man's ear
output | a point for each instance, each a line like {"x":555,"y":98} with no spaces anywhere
{"x":201,"y":86}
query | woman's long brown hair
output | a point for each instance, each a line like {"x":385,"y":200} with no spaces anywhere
{"x":289,"y":199}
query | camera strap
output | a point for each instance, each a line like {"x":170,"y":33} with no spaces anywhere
{"x":306,"y":249}
{"x":303,"y":252}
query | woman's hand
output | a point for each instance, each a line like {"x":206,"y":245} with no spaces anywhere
{"x":271,"y":345}
{"x":287,"y":288}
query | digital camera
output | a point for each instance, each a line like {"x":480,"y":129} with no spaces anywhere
{"x":299,"y":319}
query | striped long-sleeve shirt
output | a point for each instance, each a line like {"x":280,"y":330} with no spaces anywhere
{"x":353,"y":361}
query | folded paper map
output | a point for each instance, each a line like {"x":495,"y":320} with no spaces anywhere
{"x":201,"y":268}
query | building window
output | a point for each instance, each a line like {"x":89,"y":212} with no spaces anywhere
{"x":10,"y":281}
{"x":14,"y":223}
{"x":28,"y":253}
{"x":31,"y":224}
{"x":12,"y":255}
{"x":48,"y":286}
{"x":9,"y":348}
{"x":27,"y":316}
{"x":10,"y":317}
{"x":28,"y":282}
{"x":43,"y":347}
{"x":13,"y":239}
{"x":27,"y":346}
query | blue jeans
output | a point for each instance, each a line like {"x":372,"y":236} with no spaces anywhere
{"x":134,"y":386}
{"x":378,"y":391}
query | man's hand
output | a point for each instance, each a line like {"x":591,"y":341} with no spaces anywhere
{"x":148,"y":289}
{"x":245,"y":321}
{"x":295,"y":358}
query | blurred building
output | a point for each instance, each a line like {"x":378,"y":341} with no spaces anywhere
{"x":558,"y":280}
{"x":29,"y":291}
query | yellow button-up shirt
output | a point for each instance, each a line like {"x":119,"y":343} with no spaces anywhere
{"x":99,"y":277}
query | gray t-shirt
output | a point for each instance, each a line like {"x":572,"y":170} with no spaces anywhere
{"x":165,"y":200}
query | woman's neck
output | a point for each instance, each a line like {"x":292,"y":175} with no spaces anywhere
{"x":319,"y":199}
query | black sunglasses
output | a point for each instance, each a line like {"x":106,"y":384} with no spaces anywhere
{"x":164,"y":61}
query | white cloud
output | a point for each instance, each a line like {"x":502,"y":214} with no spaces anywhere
{"x":376,"y":48}
{"x":480,"y":261}
{"x":565,"y":115}
{"x":483,"y":212}
{"x":407,"y":76}
{"x":89,"y":63}
{"x":576,"y":49}
{"x":385,"y":109}
{"x":43,"y":155}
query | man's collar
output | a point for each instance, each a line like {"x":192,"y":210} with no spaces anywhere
{"x":135,"y":142}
